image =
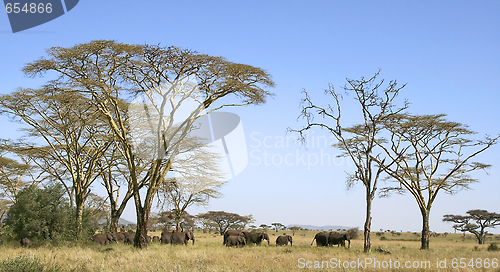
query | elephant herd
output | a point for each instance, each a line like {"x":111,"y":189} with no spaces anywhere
{"x":236,"y":238}
{"x":331,"y":238}
{"x":240,"y":238}
{"x":167,"y":237}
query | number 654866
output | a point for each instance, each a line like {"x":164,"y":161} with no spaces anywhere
{"x":28,"y":8}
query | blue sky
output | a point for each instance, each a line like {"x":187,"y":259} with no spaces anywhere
{"x":445,"y":51}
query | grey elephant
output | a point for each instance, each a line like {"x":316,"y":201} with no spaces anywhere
{"x":237,"y":241}
{"x":119,"y":236}
{"x":256,"y":237}
{"x":181,"y":238}
{"x":321,"y":239}
{"x":129,"y":238}
{"x":283,"y":240}
{"x":339,"y":239}
{"x":232,"y":233}
{"x":166,"y":236}
{"x":102,"y":239}
{"x":25,"y":242}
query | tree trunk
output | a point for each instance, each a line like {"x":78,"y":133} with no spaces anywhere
{"x":480,"y":238}
{"x":141,"y":232}
{"x":425,"y":229}
{"x":79,"y":216}
{"x":367,"y":246}
{"x":113,"y":225}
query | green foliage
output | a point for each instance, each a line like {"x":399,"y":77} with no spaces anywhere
{"x":41,"y":214}
{"x":493,"y":247}
{"x":28,"y":264}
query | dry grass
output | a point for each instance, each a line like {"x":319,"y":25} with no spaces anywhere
{"x":208,"y":254}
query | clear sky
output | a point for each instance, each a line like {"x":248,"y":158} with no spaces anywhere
{"x":447,"y":52}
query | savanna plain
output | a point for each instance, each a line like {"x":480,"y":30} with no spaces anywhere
{"x":453,"y":252}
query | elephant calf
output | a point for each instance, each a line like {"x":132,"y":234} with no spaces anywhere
{"x":25,"y":242}
{"x":237,"y":241}
{"x":283,"y":240}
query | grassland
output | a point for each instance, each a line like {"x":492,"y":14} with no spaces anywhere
{"x":208,"y":254}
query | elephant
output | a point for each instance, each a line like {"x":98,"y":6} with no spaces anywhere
{"x":156,"y":239}
{"x":103,"y":239}
{"x":283,"y":240}
{"x":321,"y":239}
{"x":166,"y":236}
{"x":339,"y":239}
{"x":118,"y":237}
{"x":232,"y":233}
{"x":25,"y":242}
{"x":181,"y":238}
{"x":235,"y":241}
{"x":129,"y":237}
{"x":256,"y":237}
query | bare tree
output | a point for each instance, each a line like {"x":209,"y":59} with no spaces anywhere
{"x":475,"y":222}
{"x":357,"y":142}
{"x":429,"y":154}
{"x":110,"y":72}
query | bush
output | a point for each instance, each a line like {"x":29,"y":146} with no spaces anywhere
{"x":383,"y":238}
{"x":42,"y":214}
{"x":493,"y":247}
{"x":24,"y":263}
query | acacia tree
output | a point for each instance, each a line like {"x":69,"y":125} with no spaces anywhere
{"x":114,"y":176}
{"x":430,"y":154}
{"x":278,"y":226}
{"x":71,"y":130}
{"x":198,"y":177}
{"x":223,"y":220}
{"x":475,"y":222}
{"x":109,"y":72}
{"x":15,"y":173}
{"x":357,"y":142}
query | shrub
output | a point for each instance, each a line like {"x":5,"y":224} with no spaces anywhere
{"x":493,"y":247}
{"x":383,"y":238}
{"x":41,"y":214}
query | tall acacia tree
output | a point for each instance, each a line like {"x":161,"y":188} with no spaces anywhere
{"x":71,"y":131}
{"x":108,"y":72}
{"x":357,"y":142}
{"x":430,"y":154}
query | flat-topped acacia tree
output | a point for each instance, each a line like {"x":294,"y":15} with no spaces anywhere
{"x":111,"y":73}
{"x":429,"y":155}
